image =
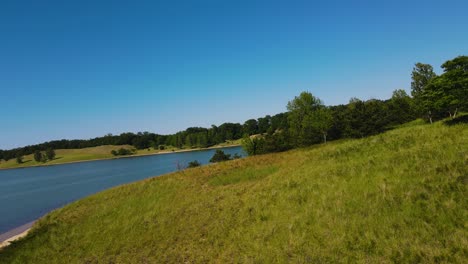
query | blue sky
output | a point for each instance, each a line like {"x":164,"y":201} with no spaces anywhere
{"x":81,"y":69}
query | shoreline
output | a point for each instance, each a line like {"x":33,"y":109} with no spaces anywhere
{"x":123,"y":157}
{"x":14,"y":234}
{"x":21,"y":231}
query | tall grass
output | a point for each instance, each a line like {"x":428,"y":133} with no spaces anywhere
{"x":395,"y":197}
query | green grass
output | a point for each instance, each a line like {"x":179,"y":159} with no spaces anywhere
{"x":65,"y":156}
{"x":396,"y":197}
{"x":93,"y":153}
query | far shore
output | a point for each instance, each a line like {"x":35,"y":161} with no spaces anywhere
{"x":129,"y":156}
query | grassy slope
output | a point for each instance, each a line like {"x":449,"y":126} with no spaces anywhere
{"x":399,"y":196}
{"x":93,"y":153}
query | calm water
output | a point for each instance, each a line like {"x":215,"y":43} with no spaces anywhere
{"x":29,"y":193}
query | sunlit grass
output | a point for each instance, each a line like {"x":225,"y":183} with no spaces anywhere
{"x":66,"y":155}
{"x":395,"y":197}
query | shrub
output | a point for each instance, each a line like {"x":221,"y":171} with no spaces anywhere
{"x":193,"y":164}
{"x":37,"y":156}
{"x":220,"y":156}
{"x":50,"y":153}
{"x":123,"y":152}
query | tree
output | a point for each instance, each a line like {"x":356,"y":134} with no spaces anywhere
{"x":202,"y":140}
{"x":37,"y":156}
{"x":220,"y":156}
{"x":420,"y":77}
{"x":321,"y":120}
{"x":250,"y":127}
{"x":264,"y":124}
{"x":278,"y":122}
{"x":448,"y":93}
{"x":365,"y":118}
{"x":19,"y":158}
{"x":50,"y":153}
{"x":301,"y":109}
{"x":400,"y":108}
{"x":253,"y":145}
{"x":276,"y":142}
{"x":43,"y":158}
{"x":193,"y":164}
{"x":454,"y":83}
{"x":422,"y":74}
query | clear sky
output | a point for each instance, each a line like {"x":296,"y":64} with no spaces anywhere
{"x":81,"y":69}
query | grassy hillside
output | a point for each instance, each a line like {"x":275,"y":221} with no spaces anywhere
{"x":396,"y":197}
{"x":93,"y":153}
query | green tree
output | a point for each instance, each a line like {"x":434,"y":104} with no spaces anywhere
{"x":365,"y":118}
{"x":250,"y":127}
{"x":448,"y":93}
{"x":188,"y":140}
{"x":50,"y":153}
{"x":276,"y":142}
{"x":220,"y":156}
{"x":19,"y":158}
{"x":37,"y":156}
{"x":321,"y":120}
{"x":301,"y":110}
{"x":400,"y":108}
{"x":264,"y":124}
{"x":421,"y":76}
{"x":278,"y":122}
{"x":253,"y":146}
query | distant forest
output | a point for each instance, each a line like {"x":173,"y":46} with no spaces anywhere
{"x":307,"y":120}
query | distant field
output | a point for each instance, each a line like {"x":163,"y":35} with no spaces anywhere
{"x":66,"y":155}
{"x":398,"y":197}
{"x":100,"y":152}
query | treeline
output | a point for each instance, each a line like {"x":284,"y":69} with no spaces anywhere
{"x":193,"y":137}
{"x":307,"y":121}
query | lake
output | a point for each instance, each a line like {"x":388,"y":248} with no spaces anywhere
{"x":28,"y":193}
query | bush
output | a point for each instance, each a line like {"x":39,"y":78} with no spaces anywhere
{"x":37,"y":156}
{"x":50,"y":153}
{"x":193,"y":164}
{"x":123,"y":152}
{"x":220,"y":156}
{"x":253,"y":146}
